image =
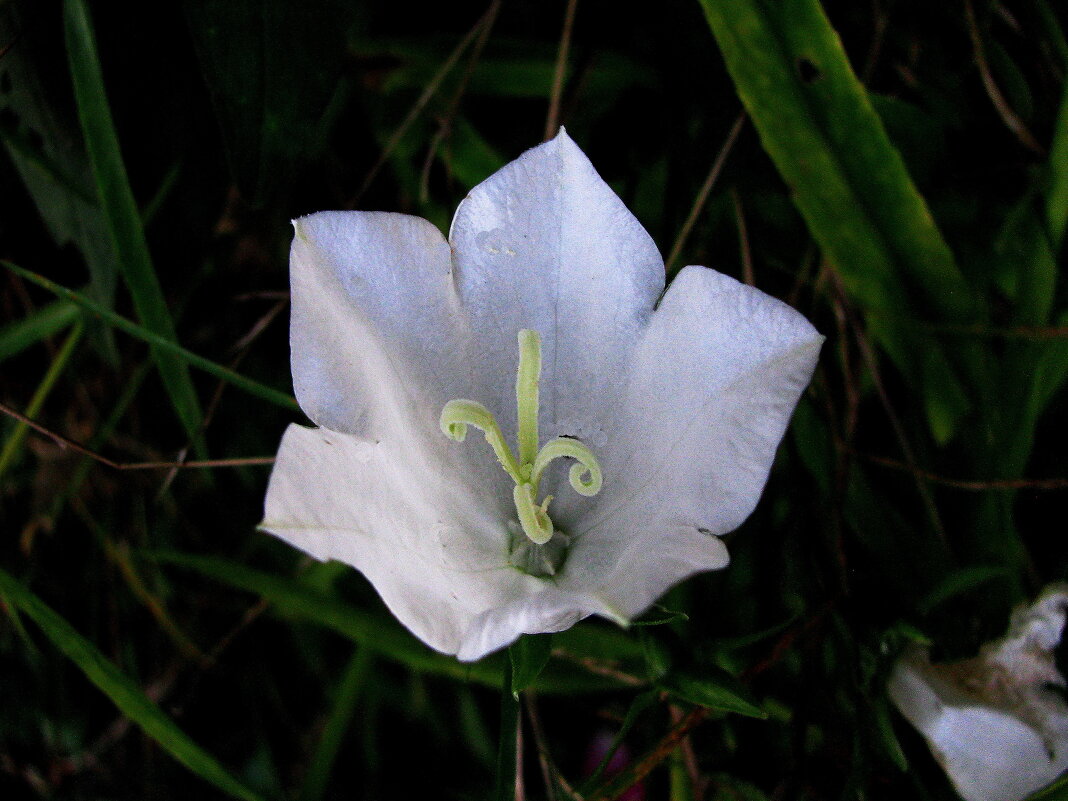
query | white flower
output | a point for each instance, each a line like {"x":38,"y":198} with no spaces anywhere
{"x":680,"y":403}
{"x":991,"y":721}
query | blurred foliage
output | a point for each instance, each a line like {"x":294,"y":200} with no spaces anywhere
{"x":902,"y":179}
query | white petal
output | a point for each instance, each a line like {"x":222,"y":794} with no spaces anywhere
{"x":989,"y":754}
{"x":627,"y":568}
{"x":548,"y":610}
{"x":545,"y":244}
{"x":375,"y":321}
{"x":435,"y":549}
{"x":715,"y":379}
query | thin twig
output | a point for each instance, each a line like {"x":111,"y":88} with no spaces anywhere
{"x":868,"y":354}
{"x":556,"y":92}
{"x":445,"y":122}
{"x":599,"y":668}
{"x":550,"y":773}
{"x":698,"y":783}
{"x":261,"y":325}
{"x":637,"y":771}
{"x":65,"y":442}
{"x":702,"y":195}
{"x":748,"y":275}
{"x":421,"y":102}
{"x":1001,"y":105}
{"x":975,"y":485}
{"x":265,"y":294}
{"x":882,"y":20}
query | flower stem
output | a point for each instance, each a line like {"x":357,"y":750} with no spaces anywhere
{"x":507,"y":751}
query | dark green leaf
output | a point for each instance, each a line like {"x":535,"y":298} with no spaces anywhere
{"x":714,"y":689}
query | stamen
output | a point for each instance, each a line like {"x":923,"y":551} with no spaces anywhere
{"x":526,"y":471}
{"x":585,"y":476}
{"x":534,"y":520}
{"x":526,"y":394}
{"x":459,"y":414}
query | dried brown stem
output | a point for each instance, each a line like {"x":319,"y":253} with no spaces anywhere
{"x":704,"y":192}
{"x":64,"y":442}
{"x":1001,"y":105}
{"x":556,"y":92}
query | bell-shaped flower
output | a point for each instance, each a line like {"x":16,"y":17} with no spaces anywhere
{"x":993,"y":722}
{"x":624,"y":431}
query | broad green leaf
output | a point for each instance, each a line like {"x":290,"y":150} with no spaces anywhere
{"x":43,"y":323}
{"x":1058,"y":791}
{"x":122,"y":691}
{"x":816,"y":122}
{"x":161,"y":344}
{"x":122,"y":215}
{"x":713,"y":688}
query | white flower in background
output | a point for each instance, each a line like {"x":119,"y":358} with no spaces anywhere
{"x":401,"y":341}
{"x":993,"y":722}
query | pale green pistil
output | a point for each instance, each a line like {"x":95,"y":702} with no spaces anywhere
{"x":527,"y":470}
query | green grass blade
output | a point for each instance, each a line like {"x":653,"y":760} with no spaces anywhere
{"x":13,"y":444}
{"x":347,"y":695}
{"x":158,"y":342}
{"x":122,"y":691}
{"x":43,"y":323}
{"x":121,"y":213}
{"x":850,"y":184}
{"x":1057,"y":191}
{"x":380,"y":635}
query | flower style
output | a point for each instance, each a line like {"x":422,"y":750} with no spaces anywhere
{"x":672,"y":407}
{"x":992,"y":722}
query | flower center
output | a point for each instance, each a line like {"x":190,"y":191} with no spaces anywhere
{"x":527,"y":469}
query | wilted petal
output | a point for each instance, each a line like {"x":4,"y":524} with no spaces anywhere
{"x":991,"y":722}
{"x":545,"y":244}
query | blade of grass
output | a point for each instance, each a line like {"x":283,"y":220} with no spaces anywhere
{"x":158,"y":342}
{"x":122,"y":691}
{"x":347,"y":695}
{"x":13,"y":445}
{"x":43,"y":323}
{"x":380,"y":635}
{"x":121,"y":213}
{"x":850,"y":184}
{"x":1057,"y":191}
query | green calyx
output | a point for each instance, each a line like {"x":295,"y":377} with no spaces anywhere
{"x":526,"y":470}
